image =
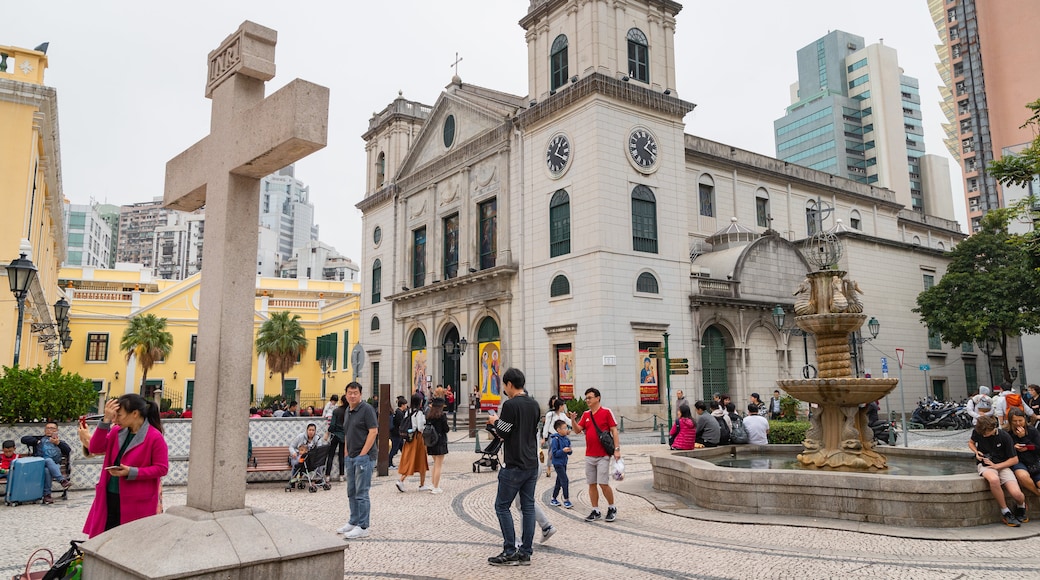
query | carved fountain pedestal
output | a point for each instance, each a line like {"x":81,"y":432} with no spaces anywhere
{"x":839,"y":435}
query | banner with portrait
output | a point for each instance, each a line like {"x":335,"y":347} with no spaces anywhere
{"x":490,"y":375}
{"x":419,"y":376}
{"x":565,"y":362}
{"x":649,"y":390}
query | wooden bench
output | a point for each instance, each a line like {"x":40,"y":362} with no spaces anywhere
{"x":269,"y":459}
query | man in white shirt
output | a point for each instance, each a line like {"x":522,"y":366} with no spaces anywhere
{"x":757,"y":426}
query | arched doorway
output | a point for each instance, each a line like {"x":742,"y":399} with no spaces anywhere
{"x":450,"y":370}
{"x":713,"y":361}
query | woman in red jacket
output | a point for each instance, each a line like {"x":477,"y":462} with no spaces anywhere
{"x":685,"y":430}
{"x":136,"y":458}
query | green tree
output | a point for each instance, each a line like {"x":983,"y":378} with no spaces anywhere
{"x":1023,"y":167}
{"x":989,"y":290}
{"x":281,"y":339}
{"x":147,"y":338}
{"x":43,"y":394}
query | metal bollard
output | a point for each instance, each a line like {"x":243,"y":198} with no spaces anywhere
{"x":663,"y":439}
{"x":655,"y":422}
{"x":621,"y":427}
{"x":478,"y":449}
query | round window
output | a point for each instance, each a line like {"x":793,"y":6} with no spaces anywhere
{"x":449,"y":130}
{"x":377,"y":235}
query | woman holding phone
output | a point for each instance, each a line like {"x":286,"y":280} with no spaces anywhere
{"x":136,"y":457}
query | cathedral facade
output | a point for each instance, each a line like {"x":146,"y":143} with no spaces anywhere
{"x":573,"y":232}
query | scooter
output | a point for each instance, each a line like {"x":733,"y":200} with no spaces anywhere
{"x":936,"y":416}
{"x":885,"y":432}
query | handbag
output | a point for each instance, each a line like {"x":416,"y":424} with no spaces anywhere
{"x":66,"y":563}
{"x":39,"y":574}
{"x":606,"y":440}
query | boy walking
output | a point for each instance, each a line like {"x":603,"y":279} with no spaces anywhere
{"x":995,"y":452}
{"x":559,"y":449}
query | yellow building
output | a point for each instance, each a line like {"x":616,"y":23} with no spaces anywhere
{"x":31,"y":222}
{"x":104,"y":300}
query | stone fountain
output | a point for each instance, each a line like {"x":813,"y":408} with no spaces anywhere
{"x":828,"y":306}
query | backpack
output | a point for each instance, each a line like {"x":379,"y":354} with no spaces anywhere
{"x":1012,"y":400}
{"x":738,"y":436}
{"x":724,"y":436}
{"x":406,"y":426}
{"x":430,"y":435}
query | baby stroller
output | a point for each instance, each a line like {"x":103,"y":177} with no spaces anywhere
{"x":489,"y":457}
{"x":310,"y":473}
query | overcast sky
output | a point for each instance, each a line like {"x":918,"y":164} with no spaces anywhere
{"x":131,"y":75}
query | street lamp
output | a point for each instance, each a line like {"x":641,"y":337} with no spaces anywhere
{"x":55,"y":340}
{"x":779,"y":316}
{"x":326,"y":363}
{"x":455,"y":352}
{"x":20,"y":274}
{"x":988,"y":345}
{"x":1014,"y":374}
{"x":855,"y":340}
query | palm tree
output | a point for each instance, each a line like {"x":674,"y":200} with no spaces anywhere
{"x":147,"y":338}
{"x":281,"y":339}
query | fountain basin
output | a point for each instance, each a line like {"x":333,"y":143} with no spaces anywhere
{"x":937,"y":501}
{"x":838,"y":391}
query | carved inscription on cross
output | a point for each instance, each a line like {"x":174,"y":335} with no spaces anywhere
{"x":250,"y":137}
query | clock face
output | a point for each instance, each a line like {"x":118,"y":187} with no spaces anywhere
{"x":558,"y":154}
{"x":642,"y":147}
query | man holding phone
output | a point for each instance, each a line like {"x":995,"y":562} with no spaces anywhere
{"x":53,"y":450}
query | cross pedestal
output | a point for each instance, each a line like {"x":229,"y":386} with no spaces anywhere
{"x":216,"y":535}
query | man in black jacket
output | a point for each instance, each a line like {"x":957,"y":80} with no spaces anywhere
{"x":54,"y":451}
{"x":518,"y":428}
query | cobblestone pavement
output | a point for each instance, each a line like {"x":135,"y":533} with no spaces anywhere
{"x":419,"y":535}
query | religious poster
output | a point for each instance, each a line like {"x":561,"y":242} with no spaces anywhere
{"x":565,"y":360}
{"x":419,"y":376}
{"x":649,"y":390}
{"x":490,"y":375}
{"x":451,"y":246}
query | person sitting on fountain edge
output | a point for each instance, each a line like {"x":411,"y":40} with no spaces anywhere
{"x":995,"y":453}
{"x":708,"y":431}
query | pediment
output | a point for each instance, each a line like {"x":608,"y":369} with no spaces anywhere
{"x":475,"y":112}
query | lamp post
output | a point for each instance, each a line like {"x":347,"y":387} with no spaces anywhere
{"x":1014,"y":374}
{"x":20,"y":274}
{"x":779,"y":317}
{"x":455,"y":352}
{"x":855,"y":340}
{"x":326,"y":363}
{"x":988,"y":345}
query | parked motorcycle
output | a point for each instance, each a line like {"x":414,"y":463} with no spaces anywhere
{"x":938,"y":415}
{"x":885,"y":432}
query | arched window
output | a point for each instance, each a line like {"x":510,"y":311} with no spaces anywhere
{"x":375,"y":323}
{"x":855,"y":221}
{"x":917,"y":241}
{"x":559,"y":224}
{"x":644,"y":220}
{"x":418,"y":341}
{"x":560,"y":286}
{"x":638,"y":56}
{"x":488,"y":330}
{"x":377,"y":281}
{"x":941,"y":246}
{"x":762,"y":207}
{"x":380,"y":169}
{"x":558,"y":63}
{"x":706,"y":192}
{"x":647,"y":283}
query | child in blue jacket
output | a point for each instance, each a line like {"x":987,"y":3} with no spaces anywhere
{"x":559,"y":449}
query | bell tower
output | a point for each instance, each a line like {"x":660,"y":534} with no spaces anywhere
{"x":628,"y":40}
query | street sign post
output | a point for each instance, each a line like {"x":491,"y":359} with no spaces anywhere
{"x":679,"y":366}
{"x":902,"y":396}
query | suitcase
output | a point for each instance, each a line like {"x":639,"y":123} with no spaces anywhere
{"x":25,"y":481}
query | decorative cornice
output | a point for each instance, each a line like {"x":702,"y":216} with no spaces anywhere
{"x":454,"y":283}
{"x":497,"y":138}
{"x":598,"y":83}
{"x":381,"y":196}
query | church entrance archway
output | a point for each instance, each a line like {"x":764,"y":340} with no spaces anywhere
{"x":713,"y":363}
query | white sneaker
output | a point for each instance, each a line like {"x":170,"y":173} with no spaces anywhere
{"x":400,"y":485}
{"x":425,"y":488}
{"x":356,"y":533}
{"x":436,"y":490}
{"x":346,"y":528}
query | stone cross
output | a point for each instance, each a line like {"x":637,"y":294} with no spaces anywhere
{"x":250,"y":137}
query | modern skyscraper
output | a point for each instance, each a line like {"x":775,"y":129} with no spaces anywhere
{"x":88,"y":237}
{"x":856,"y":115}
{"x":286,"y":209}
{"x":137,"y":223}
{"x":988,"y":57}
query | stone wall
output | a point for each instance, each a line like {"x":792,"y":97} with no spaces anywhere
{"x":267,"y":432}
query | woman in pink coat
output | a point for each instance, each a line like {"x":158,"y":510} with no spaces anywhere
{"x":136,"y":458}
{"x":684,"y":430}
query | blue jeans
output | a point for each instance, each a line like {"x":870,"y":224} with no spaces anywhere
{"x":562,"y":481}
{"x":512,"y":481}
{"x":359,"y":481}
{"x":51,"y":472}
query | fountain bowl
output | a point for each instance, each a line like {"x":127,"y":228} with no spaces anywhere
{"x":838,"y":391}
{"x":938,"y":501}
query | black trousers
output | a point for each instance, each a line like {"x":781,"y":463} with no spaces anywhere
{"x":112,"y":519}
{"x":336,"y":449}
